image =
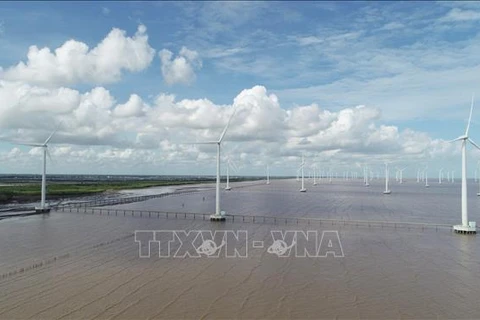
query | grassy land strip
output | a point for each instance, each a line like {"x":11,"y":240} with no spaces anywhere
{"x":57,"y":190}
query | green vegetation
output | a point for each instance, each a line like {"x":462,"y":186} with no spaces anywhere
{"x":28,"y":191}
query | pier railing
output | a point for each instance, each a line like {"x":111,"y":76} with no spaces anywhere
{"x":245,"y":218}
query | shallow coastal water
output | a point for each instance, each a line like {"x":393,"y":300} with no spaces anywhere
{"x":88,"y":265}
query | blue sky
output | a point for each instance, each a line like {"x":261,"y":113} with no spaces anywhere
{"x":412,"y":65}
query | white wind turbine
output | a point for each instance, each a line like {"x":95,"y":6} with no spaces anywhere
{"x":400,"y":175}
{"x":426,"y":177}
{"x":365,"y":176}
{"x":303,"y":178}
{"x":315,"y":171}
{"x":217,"y":216}
{"x":268,"y":174}
{"x":466,"y":226}
{"x":387,"y":191}
{"x":43,"y":207}
{"x":440,"y":173}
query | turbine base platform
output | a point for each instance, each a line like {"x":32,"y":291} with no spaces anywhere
{"x":42,"y":210}
{"x":464,"y":229}
{"x":303,"y":190}
{"x":387,"y":192}
{"x":478,"y":194}
{"x":215,"y":217}
{"x":315,"y":184}
{"x":228,"y":188}
{"x":427,"y":186}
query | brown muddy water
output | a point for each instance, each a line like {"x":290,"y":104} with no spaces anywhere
{"x":87,"y":266}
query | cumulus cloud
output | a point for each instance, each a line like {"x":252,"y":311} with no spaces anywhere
{"x":134,"y":107}
{"x":74,"y":62}
{"x":261,"y":129}
{"x":180,"y":69}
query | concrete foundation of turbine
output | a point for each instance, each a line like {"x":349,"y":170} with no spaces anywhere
{"x":215,"y":217}
{"x":42,"y":210}
{"x":470,"y":229}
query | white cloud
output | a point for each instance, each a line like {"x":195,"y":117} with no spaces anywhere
{"x":74,"y":62}
{"x":134,"y":107}
{"x":135,"y":131}
{"x":392,"y":26}
{"x":457,"y":14}
{"x":309,"y":40}
{"x":180,"y":69}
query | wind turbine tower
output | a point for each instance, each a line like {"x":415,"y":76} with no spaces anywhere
{"x":218,"y":216}
{"x":440,"y":173}
{"x":43,"y":207}
{"x":468,"y":227}
{"x":387,"y":191}
{"x":268,"y":174}
{"x":426,"y":177}
{"x":303,"y":178}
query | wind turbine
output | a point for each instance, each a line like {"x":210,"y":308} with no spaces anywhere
{"x":217,"y":216}
{"x":387,"y":191}
{"x":365,"y":176}
{"x":315,"y":171}
{"x":303,"y":178}
{"x":440,"y":176}
{"x":466,"y":226}
{"x":268,"y":174}
{"x":400,"y":171}
{"x":426,"y":177}
{"x":43,"y":208}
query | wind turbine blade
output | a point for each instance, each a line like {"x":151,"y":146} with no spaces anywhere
{"x":203,"y":142}
{"x":228,"y":123}
{"x":458,"y":139}
{"x":474,"y":144}
{"x":51,"y":135}
{"x":470,"y":117}
{"x":36,"y":145}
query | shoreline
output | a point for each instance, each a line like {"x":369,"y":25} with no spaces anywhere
{"x":23,"y":199}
